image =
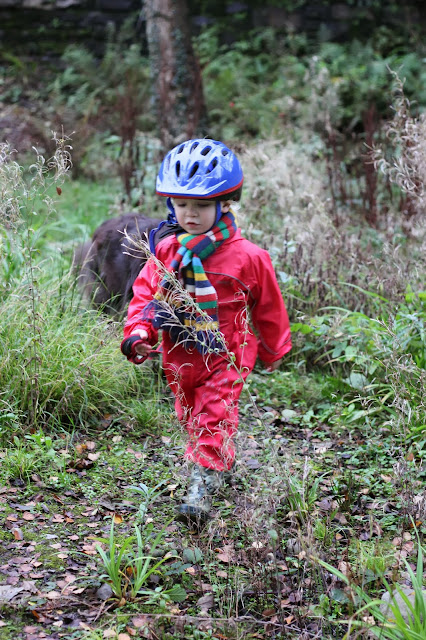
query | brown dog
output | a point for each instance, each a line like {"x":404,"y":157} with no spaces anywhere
{"x":105,"y":272}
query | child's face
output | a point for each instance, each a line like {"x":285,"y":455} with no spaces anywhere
{"x":197,"y":216}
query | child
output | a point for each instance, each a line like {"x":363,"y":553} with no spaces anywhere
{"x":213,"y":287}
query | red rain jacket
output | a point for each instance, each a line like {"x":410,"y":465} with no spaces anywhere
{"x":243,"y":276}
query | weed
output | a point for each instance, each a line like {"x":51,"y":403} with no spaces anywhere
{"x":391,"y":623}
{"x":128,"y":569}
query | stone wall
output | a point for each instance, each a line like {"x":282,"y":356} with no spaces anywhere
{"x":45,"y":27}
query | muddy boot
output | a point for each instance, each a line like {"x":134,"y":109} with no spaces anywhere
{"x":203,"y":484}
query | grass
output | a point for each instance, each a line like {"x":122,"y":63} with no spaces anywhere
{"x":330,"y":463}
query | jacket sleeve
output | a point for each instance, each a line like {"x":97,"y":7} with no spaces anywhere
{"x":269,"y":315}
{"x":144,"y":289}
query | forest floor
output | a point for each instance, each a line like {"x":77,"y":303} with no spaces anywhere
{"x":303,"y":488}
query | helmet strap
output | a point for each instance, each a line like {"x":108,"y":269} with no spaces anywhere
{"x":172,"y":215}
{"x":218,"y":211}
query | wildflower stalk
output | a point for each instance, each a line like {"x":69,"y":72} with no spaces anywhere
{"x":23,"y":193}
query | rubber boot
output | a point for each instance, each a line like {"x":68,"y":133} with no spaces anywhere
{"x":203,"y":484}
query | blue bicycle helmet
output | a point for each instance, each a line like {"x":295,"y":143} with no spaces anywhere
{"x":200,"y":169}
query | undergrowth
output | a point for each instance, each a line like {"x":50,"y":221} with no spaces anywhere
{"x":331,"y":448}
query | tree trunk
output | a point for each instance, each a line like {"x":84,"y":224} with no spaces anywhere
{"x":176,"y":75}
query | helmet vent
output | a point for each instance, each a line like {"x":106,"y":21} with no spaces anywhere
{"x":178,"y":169}
{"x":181,"y":148}
{"x":194,"y":146}
{"x":194,"y":169}
{"x":205,"y":151}
{"x":212,"y":165}
{"x":225,"y":152}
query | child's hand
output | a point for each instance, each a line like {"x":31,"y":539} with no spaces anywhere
{"x":142,"y":349}
{"x":273,"y":366}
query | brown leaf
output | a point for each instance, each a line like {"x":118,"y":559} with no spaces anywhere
{"x":11,"y":518}
{"x":89,"y":549}
{"x":206,"y":602}
{"x":140,"y":621}
{"x":324,"y":504}
{"x":7,"y":592}
{"x":57,"y":517}
{"x":17,"y":533}
{"x":224,"y":557}
{"x":28,"y":516}
{"x":80,"y":448}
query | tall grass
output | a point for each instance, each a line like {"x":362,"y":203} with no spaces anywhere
{"x":60,"y":362}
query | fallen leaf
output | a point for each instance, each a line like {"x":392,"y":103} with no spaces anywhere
{"x":58,"y":518}
{"x":324,"y":504}
{"x":252,"y":463}
{"x":17,"y":533}
{"x":7,"y":592}
{"x":140,"y":621}
{"x":28,"y":516}
{"x":206,"y":602}
{"x":344,"y":567}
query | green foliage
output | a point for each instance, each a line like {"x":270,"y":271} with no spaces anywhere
{"x":302,"y":492}
{"x":35,"y":456}
{"x":381,"y":361}
{"x":120,"y":80}
{"x":60,"y":361}
{"x":254,"y":86}
{"x":128,"y":568}
{"x":79,"y":368}
{"x":149,"y":495}
{"x":391,"y":625}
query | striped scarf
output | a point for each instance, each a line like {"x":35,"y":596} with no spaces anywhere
{"x":183,"y":320}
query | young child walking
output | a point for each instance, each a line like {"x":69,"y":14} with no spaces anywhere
{"x":216,"y":299}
